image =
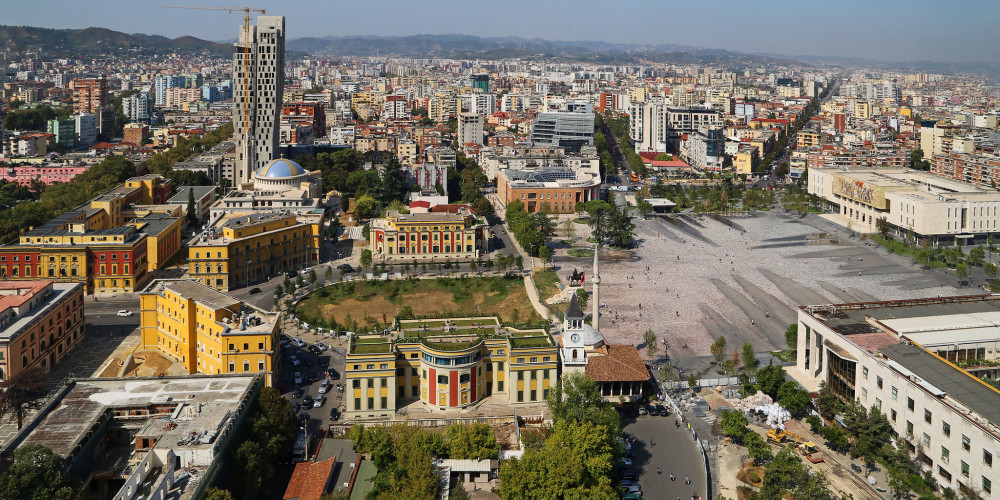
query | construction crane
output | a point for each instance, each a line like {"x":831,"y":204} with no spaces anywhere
{"x":245,"y":59}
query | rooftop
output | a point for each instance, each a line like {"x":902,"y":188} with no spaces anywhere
{"x":309,"y":480}
{"x":619,"y":363}
{"x":945,"y":379}
{"x":13,"y":295}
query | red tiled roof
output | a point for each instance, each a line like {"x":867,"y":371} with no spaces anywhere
{"x":27,"y":290}
{"x":309,"y":480}
{"x":621,"y":363}
{"x":451,"y":208}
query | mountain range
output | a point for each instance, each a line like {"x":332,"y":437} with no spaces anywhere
{"x":99,"y":41}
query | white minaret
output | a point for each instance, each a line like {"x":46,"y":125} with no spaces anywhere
{"x":597,"y":282}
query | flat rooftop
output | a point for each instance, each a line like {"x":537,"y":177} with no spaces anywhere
{"x":945,"y":379}
{"x":60,"y":293}
{"x":193,"y":290}
{"x":201,"y":403}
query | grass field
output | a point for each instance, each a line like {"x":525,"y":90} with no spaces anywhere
{"x":580,"y":252}
{"x":366,"y":303}
{"x":547,"y":283}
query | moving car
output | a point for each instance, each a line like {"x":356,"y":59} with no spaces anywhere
{"x":254,"y":290}
{"x":124,"y":314}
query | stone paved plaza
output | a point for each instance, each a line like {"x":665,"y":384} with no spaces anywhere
{"x":742,"y":277}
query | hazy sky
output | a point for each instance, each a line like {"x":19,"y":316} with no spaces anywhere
{"x":891,"y":30}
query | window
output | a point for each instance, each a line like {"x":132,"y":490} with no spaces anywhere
{"x":520,"y":360}
{"x":909,"y":428}
{"x":878,"y":382}
{"x":965,"y":442}
{"x":520,"y":396}
{"x":864,"y":372}
{"x":987,"y":458}
{"x":545,"y":374}
{"x":369,"y":367}
{"x":384,"y":366}
{"x":384,"y":403}
{"x":945,"y":474}
{"x":927,"y":440}
{"x":384,"y":383}
{"x":945,"y":454}
{"x":442,"y":379}
{"x":357,"y":403}
{"x":987,"y":485}
{"x":464,"y":378}
{"x":864,"y":394}
{"x":520,"y":375}
{"x":965,"y":469}
{"x":534,"y":360}
{"x":945,"y":429}
{"x":371,"y":403}
{"x":892,"y":415}
{"x":927,"y":416}
{"x":534,"y":395}
{"x":909,"y":404}
{"x":878,"y":403}
{"x":356,"y":383}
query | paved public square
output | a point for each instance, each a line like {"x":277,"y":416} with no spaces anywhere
{"x":697,"y":278}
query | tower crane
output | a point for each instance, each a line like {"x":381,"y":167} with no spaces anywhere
{"x":245,"y":62}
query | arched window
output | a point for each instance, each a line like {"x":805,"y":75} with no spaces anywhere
{"x":574,"y":353}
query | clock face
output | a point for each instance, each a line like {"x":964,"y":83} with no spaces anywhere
{"x":574,"y":338}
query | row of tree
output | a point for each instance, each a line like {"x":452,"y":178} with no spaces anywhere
{"x":532,"y":230}
{"x":35,"y":118}
{"x":726,"y":195}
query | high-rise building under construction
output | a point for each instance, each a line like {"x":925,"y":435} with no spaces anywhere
{"x":258,"y":66}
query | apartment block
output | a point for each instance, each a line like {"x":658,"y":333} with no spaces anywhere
{"x":40,"y":323}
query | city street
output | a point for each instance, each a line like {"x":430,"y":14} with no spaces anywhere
{"x":674,"y":453}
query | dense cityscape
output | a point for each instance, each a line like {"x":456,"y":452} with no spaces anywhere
{"x":442,"y":267}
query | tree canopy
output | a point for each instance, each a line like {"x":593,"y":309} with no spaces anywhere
{"x":36,"y":474}
{"x":577,"y":398}
{"x":471,"y":441}
{"x":270,"y":439}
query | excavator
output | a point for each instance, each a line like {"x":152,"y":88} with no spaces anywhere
{"x":780,"y":436}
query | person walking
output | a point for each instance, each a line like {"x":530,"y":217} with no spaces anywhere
{"x":672,"y":476}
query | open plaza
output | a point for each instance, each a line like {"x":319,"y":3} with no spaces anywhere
{"x":695,"y":278}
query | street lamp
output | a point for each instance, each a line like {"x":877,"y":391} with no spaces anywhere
{"x":306,"y":436}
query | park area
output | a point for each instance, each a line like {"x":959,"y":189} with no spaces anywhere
{"x":374,"y":303}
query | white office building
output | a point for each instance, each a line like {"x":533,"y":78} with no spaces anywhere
{"x":85,"y":125}
{"x":258,"y":89}
{"x":921,"y":363}
{"x":658,"y":127}
{"x":138,"y":107}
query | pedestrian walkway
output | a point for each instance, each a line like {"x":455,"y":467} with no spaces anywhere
{"x":529,"y":285}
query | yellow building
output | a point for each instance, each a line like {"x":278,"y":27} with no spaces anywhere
{"x":454,"y":369}
{"x":370,"y":98}
{"x":428,"y":236}
{"x":746,"y":160}
{"x":248,"y":247}
{"x":163,"y":231}
{"x":207,"y":331}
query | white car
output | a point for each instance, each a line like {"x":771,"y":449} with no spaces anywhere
{"x":124,"y":314}
{"x":319,"y":401}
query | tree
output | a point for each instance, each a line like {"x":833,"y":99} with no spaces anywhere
{"x":366,"y":259}
{"x":976,"y":255}
{"x":896,"y":476}
{"x":218,"y":494}
{"x":828,"y":402}
{"x":471,"y":441}
{"x":577,"y":398}
{"x":649,"y":338}
{"x":299,"y":281}
{"x":734,"y":423}
{"x":792,"y":336}
{"x":36,"y":474}
{"x":770,"y":379}
{"x":794,"y":398}
{"x":692,"y":383}
{"x":20,"y":394}
{"x":393,"y":183}
{"x":545,"y":253}
{"x":882,"y":226}
{"x":569,"y":227}
{"x":749,"y":357}
{"x":621,"y":228}
{"x":990,"y":269}
{"x":668,"y":374}
{"x":581,"y":298}
{"x":329,"y":273}
{"x":644,"y":207}
{"x":365,"y":207}
{"x":729,"y":367}
{"x":757,"y":449}
{"x":192,"y":212}
{"x":718,"y":349}
{"x":312,"y":277}
{"x":787,"y":474}
{"x":962,"y":271}
{"x":335,"y":495}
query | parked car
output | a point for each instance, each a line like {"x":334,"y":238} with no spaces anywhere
{"x":307,"y":401}
{"x":124,"y":313}
{"x":298,"y":378}
{"x":664,"y":412}
{"x":653,"y":411}
{"x":299,"y":342}
{"x":643,"y":410}
{"x":624,"y":461}
{"x":321,"y":346}
{"x":318,"y":401}
{"x":333,"y":374}
{"x":295,"y":360}
{"x":334,"y":414}
{"x":856,"y":468}
{"x":346,"y":268}
{"x":254,"y":290}
{"x":297,"y":393}
{"x":632,"y":490}
{"x":324,"y":387}
{"x":295,"y":407}
{"x":628,"y":474}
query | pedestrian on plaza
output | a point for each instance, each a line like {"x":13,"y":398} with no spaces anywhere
{"x":658,"y":471}
{"x":672,"y":477}
{"x":687,"y":480}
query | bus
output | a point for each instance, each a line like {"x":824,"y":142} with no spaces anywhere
{"x":635,"y":178}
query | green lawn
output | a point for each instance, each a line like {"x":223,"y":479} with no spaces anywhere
{"x":547,"y":283}
{"x":581,"y":252}
{"x":525,"y":342}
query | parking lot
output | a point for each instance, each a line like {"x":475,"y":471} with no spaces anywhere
{"x":303,"y":362}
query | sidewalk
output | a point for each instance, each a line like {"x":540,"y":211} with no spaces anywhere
{"x":529,"y":286}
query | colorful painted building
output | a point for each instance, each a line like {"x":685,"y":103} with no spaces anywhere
{"x":428,"y":236}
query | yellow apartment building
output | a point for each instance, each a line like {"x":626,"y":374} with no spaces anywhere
{"x":207,"y":331}
{"x":246,"y":248}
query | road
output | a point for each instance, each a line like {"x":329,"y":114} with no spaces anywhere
{"x":674,"y":453}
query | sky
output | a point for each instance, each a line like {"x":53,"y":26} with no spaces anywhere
{"x":885,"y":30}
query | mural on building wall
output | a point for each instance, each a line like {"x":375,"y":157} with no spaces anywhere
{"x":856,"y":190}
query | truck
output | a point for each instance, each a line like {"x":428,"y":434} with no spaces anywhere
{"x":809,"y":450}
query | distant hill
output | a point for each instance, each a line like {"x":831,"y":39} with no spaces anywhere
{"x":499,"y":47}
{"x":99,"y":41}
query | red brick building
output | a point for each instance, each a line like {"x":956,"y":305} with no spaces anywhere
{"x":89,"y":94}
